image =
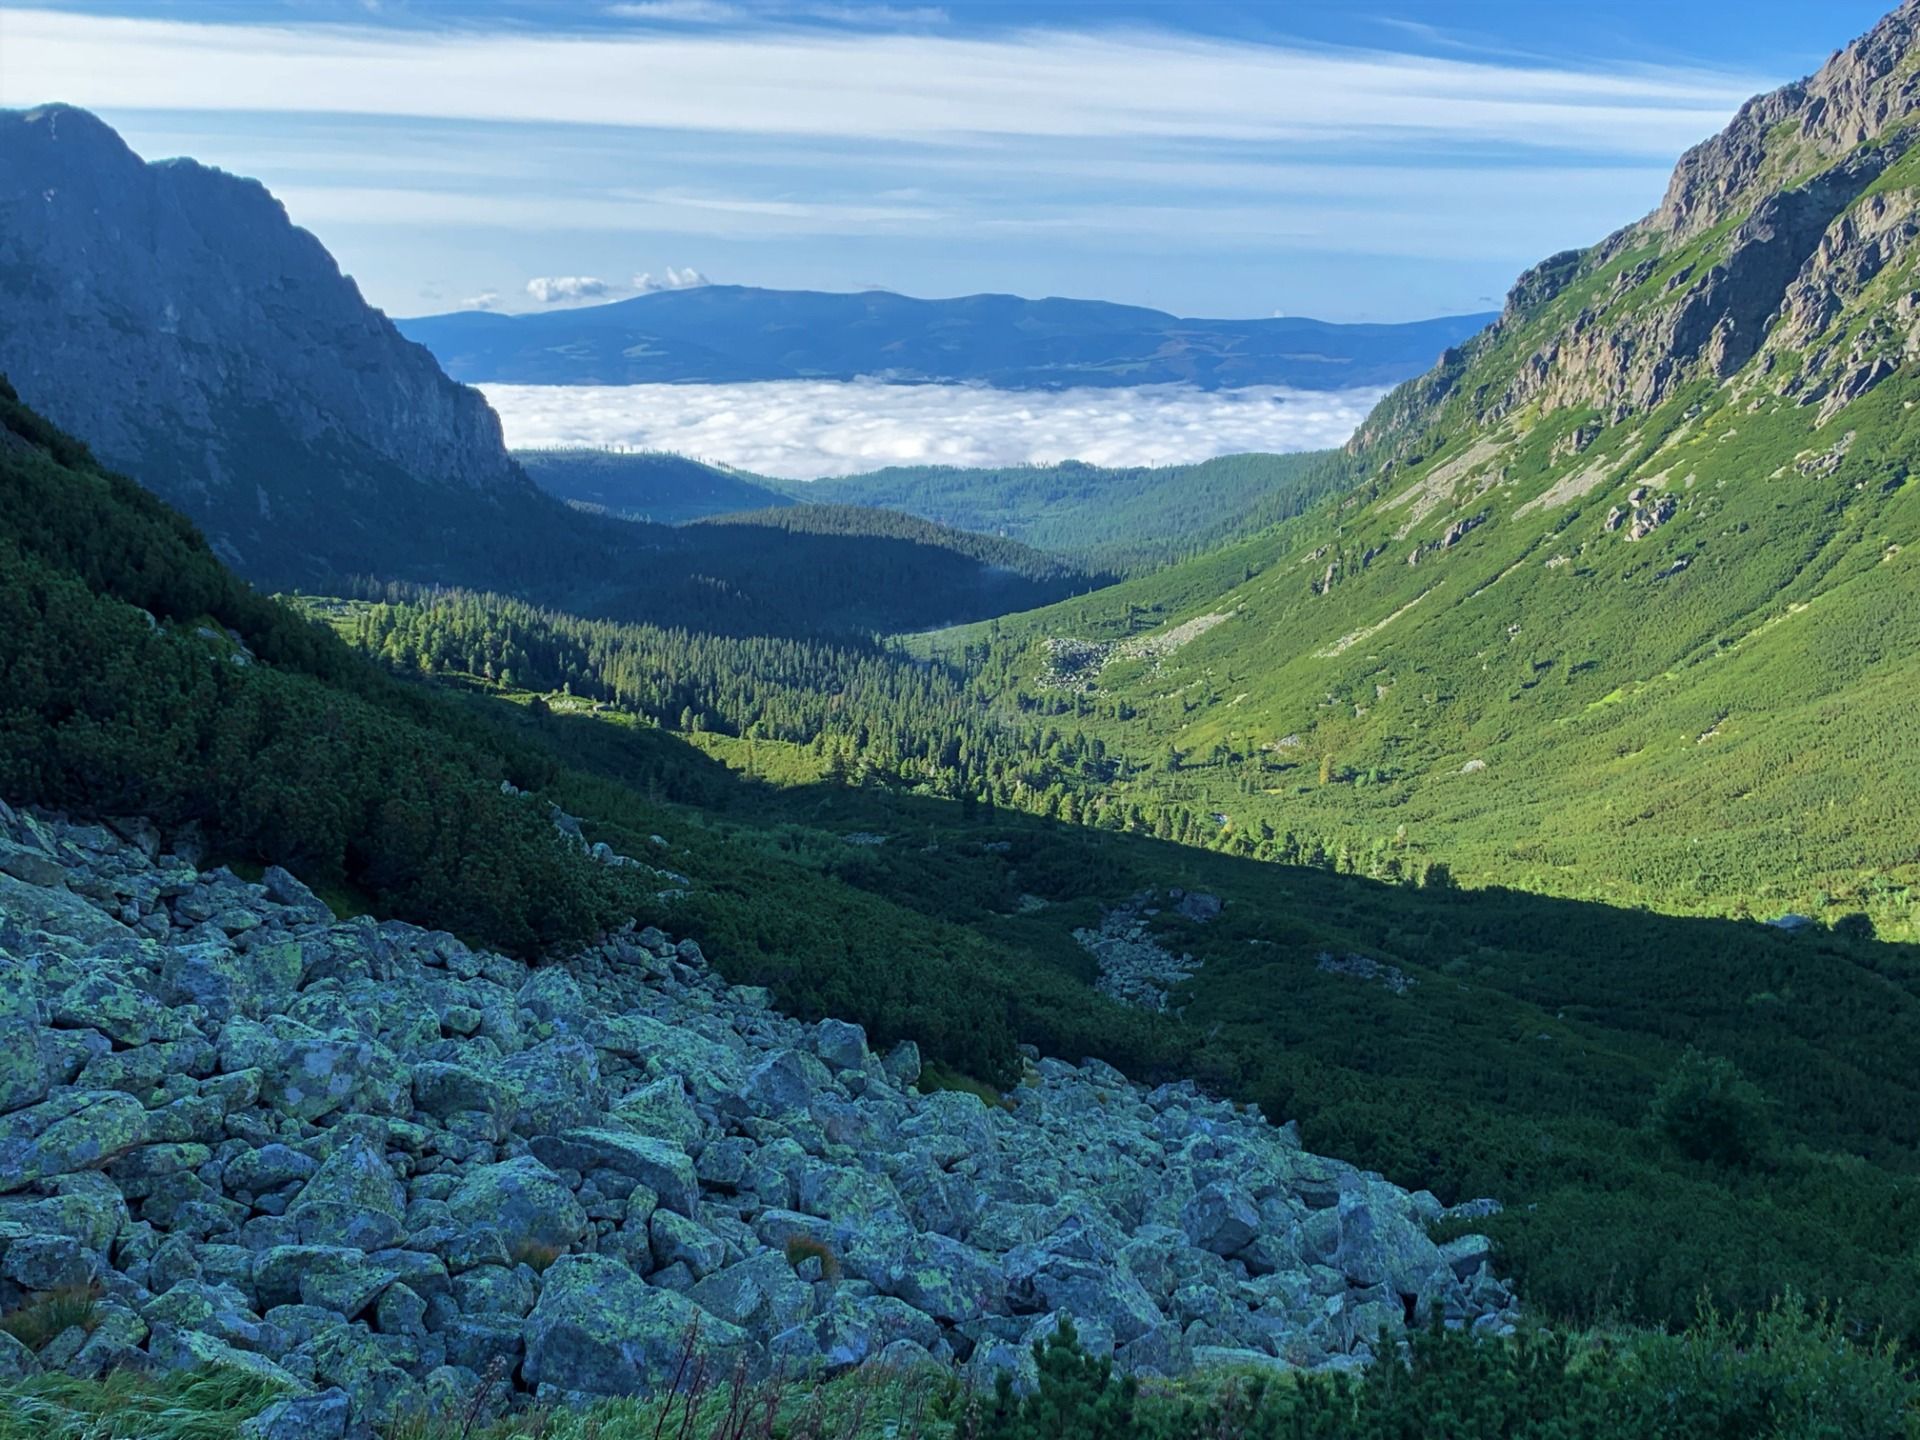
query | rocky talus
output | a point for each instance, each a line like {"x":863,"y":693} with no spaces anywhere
{"x":385,"y":1170}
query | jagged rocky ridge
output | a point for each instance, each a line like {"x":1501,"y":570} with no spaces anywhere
{"x":375,"y":1166}
{"x":202,"y":343}
{"x":1768,"y":234}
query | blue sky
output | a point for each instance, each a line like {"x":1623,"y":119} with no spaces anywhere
{"x":1338,"y":158}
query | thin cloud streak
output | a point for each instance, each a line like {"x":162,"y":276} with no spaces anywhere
{"x":805,"y":429}
{"x":929,"y":88}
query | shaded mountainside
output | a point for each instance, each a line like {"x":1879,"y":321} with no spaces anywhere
{"x":723,"y":333}
{"x":1622,"y":600}
{"x":1126,"y":518}
{"x":657,"y":485}
{"x":172,"y":315}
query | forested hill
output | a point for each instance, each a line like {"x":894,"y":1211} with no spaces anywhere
{"x":928,"y":543}
{"x":1127,"y":518}
{"x":647,"y":485}
{"x":720,"y":333}
{"x":1130,"y":518}
{"x":1625,"y":602}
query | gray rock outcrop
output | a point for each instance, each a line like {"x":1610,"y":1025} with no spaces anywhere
{"x":172,"y":316}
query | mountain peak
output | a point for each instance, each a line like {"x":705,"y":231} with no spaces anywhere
{"x":173,"y":315}
{"x":1864,"y":91}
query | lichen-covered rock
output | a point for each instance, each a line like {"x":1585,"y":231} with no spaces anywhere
{"x":77,"y":1130}
{"x":301,"y":1417}
{"x":656,"y":1164}
{"x":602,"y":1330}
{"x":523,"y":1200}
{"x":1220,"y":1219}
{"x":353,"y":1200}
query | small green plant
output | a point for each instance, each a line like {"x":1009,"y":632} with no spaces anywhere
{"x":536,"y":1253}
{"x":802,"y":1248}
{"x":44,"y":1318}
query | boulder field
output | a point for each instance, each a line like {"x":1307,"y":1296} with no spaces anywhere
{"x":385,"y":1170}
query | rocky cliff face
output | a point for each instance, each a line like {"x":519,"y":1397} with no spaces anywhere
{"x":384,"y":1170}
{"x":173,"y":317}
{"x":1768,"y":235}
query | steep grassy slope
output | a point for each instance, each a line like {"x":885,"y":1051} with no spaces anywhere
{"x":1622,"y":601}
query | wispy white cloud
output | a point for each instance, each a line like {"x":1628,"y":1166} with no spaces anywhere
{"x":674,"y":277}
{"x":725,"y":12}
{"x":877,"y":85}
{"x":804,"y":429}
{"x":485,"y":300}
{"x":680,"y":12}
{"x":558,"y":289}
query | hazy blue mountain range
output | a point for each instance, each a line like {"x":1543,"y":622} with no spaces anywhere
{"x":720,"y":333}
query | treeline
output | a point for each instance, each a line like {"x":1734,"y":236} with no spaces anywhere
{"x":876,"y":523}
{"x":870,"y":713}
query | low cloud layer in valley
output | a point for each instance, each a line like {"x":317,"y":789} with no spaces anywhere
{"x":804,"y":429}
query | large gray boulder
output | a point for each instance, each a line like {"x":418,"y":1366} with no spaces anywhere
{"x":353,"y":1200}
{"x":1221,"y":1219}
{"x":602,"y":1330}
{"x":529,"y":1205}
{"x":660,"y":1166}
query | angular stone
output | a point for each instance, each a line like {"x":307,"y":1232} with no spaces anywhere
{"x":600,"y":1329}
{"x":525,"y":1202}
{"x":301,"y":1417}
{"x":841,"y":1044}
{"x":79,"y":1130}
{"x":903,"y":1064}
{"x":353,"y":1200}
{"x":1221,"y":1219}
{"x":940,"y":1277}
{"x":26,"y":1057}
{"x":678,"y":1240}
{"x":663,"y":1111}
{"x":761,"y":1293}
{"x":1378,"y":1246}
{"x":656,"y":1164}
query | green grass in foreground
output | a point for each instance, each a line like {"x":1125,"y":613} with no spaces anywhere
{"x":1790,"y":1374}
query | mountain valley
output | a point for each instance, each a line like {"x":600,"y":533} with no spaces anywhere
{"x":1415,"y":939}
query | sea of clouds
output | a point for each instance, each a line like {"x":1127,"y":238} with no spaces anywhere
{"x":804,"y":429}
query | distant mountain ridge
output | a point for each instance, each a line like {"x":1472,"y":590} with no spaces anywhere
{"x":172,"y":315}
{"x":731,"y":333}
